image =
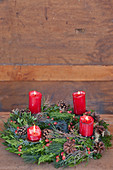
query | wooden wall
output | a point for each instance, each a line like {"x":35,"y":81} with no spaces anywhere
{"x":56,"y":47}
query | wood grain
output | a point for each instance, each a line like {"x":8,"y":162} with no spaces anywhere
{"x":56,"y":47}
{"x":56,"y":32}
{"x":56,"y":73}
{"x":99,"y":95}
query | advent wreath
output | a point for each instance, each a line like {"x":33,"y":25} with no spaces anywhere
{"x":60,"y":143}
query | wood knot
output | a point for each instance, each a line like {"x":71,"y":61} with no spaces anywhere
{"x":79,"y":30}
{"x":46,"y":17}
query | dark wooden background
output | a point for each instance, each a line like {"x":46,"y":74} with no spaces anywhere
{"x":56,"y":47}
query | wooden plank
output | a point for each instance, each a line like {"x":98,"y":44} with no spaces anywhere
{"x":56,"y":32}
{"x":56,"y":73}
{"x":99,"y":95}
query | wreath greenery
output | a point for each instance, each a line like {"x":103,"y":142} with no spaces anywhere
{"x":61,"y":142}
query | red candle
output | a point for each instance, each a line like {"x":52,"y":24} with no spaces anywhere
{"x":86,"y":125}
{"x":34,"y":133}
{"x":35,"y":101}
{"x":79,"y":102}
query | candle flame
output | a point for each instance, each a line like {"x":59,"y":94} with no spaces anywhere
{"x":78,"y":92}
{"x":34,"y":92}
{"x":87,"y":118}
{"x":34,"y":129}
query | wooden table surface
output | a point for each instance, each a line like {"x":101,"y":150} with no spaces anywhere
{"x":11,"y":161}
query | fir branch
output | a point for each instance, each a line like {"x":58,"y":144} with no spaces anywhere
{"x":46,"y":158}
{"x":30,"y":158}
{"x":62,"y":116}
{"x":107,"y":141}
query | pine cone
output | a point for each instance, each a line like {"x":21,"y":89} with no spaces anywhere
{"x":69,"y":147}
{"x":99,"y":147}
{"x":46,"y":134}
{"x":63,"y":106}
{"x":95,"y":116}
{"x":22,"y":130}
{"x":99,"y":129}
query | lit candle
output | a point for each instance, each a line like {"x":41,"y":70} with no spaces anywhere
{"x":86,"y":125}
{"x":79,"y":102}
{"x":34,"y":128}
{"x":34,"y":133}
{"x":35,"y":101}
